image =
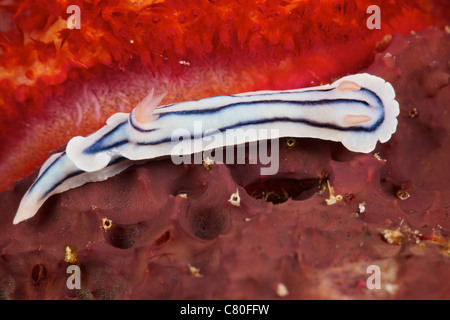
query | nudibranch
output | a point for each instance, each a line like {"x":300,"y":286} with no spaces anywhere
{"x":358,"y":110}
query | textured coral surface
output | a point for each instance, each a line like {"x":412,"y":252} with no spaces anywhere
{"x":171,"y":233}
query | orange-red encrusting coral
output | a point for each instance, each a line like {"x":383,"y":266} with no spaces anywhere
{"x":57,"y":82}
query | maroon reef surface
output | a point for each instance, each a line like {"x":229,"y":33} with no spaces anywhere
{"x":162,"y":231}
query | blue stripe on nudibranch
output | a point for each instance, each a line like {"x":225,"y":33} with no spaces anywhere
{"x":45,"y":171}
{"x":100,"y":144}
{"x":255,"y":95}
{"x":98,"y":147}
{"x":238,"y":104}
{"x":57,"y":183}
{"x":271,"y":120}
{"x":74,"y":174}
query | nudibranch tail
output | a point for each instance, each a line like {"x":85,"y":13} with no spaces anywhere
{"x":60,"y":174}
{"x":57,"y":169}
{"x":358,"y":110}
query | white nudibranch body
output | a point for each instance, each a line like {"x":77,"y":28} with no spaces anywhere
{"x":358,"y":110}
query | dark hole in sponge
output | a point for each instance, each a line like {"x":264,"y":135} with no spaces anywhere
{"x":279,"y":190}
{"x":124,"y":236}
{"x":38,"y":273}
{"x":208,"y":223}
{"x":163,"y":239}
